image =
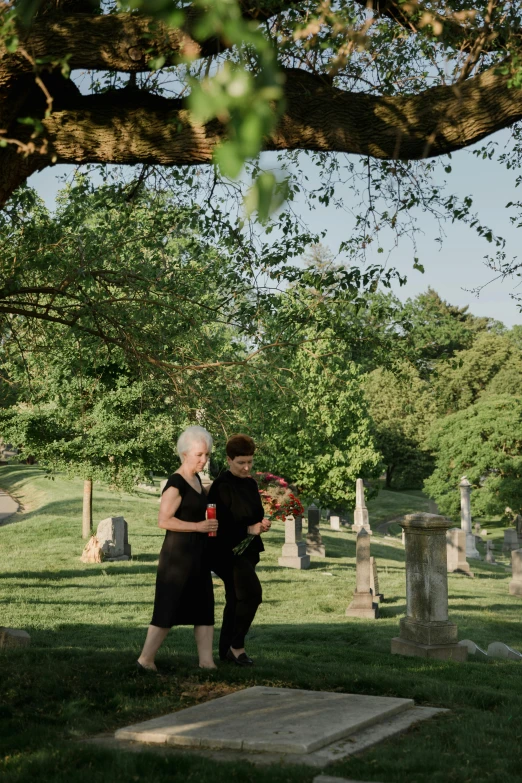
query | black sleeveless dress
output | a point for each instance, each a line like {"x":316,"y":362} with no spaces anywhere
{"x":184,"y":592}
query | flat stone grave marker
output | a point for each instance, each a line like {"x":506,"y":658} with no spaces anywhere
{"x":275,"y":720}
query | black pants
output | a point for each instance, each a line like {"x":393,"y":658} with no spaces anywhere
{"x":243,"y":594}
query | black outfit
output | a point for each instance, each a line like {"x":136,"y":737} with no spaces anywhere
{"x":238,"y":505}
{"x":184,"y":592}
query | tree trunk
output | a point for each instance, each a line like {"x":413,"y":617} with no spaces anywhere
{"x":87,"y":509}
{"x":389,"y":474}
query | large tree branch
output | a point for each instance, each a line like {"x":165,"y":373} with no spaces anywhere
{"x":131,"y":126}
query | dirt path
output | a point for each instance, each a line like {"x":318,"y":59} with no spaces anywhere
{"x":8,"y":506}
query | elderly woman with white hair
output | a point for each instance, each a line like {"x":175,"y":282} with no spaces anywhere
{"x":184,"y":592}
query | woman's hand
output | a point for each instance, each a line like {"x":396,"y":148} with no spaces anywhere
{"x":255,"y":530}
{"x":265,"y":525}
{"x":208,"y":526}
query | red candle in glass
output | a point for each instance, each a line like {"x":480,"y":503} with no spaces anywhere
{"x":211,"y":514}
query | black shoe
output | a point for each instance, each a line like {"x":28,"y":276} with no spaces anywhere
{"x":241,"y":660}
{"x":144,"y":669}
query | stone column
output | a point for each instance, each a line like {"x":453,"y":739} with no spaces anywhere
{"x":314,"y":541}
{"x":515,"y":586}
{"x":456,"y":551}
{"x":360,"y":515}
{"x":294,"y":554}
{"x":363,"y":603}
{"x":465,"y":519}
{"x":426,"y":632}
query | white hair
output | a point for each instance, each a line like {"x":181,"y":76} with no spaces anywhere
{"x":191,"y":435}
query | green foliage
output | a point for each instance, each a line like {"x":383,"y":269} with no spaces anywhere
{"x":491,"y":365}
{"x":483,"y":442}
{"x":402,"y":409}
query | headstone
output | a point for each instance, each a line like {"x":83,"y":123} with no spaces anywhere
{"x":478,"y":529}
{"x":510,"y":540}
{"x":314,"y":541}
{"x":474,"y":650}
{"x":363,"y":603}
{"x":465,"y":519}
{"x":518,"y":527}
{"x":360,"y":515}
{"x":378,"y":597}
{"x":426,"y":632}
{"x":113,"y":535}
{"x":93,"y":552}
{"x":335,"y":522}
{"x":490,"y":558}
{"x":13,"y":637}
{"x":294,"y":554}
{"x":456,"y":551}
{"x":515,"y":586}
{"x":501,"y":650}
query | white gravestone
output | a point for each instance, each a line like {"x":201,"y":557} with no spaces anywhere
{"x":363,"y":602}
{"x":465,"y":519}
{"x":501,"y":650}
{"x":515,"y":586}
{"x":490,"y":557}
{"x":456,"y":551}
{"x":294,"y":554}
{"x":360,"y":515}
{"x":113,"y":535}
{"x":335,"y":522}
{"x":510,"y":540}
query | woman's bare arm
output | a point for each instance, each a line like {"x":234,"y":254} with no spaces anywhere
{"x":167,"y":520}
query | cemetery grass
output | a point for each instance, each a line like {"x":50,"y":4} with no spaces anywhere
{"x":87,"y":624}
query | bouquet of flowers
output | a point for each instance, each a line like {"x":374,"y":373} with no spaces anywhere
{"x":278,"y":502}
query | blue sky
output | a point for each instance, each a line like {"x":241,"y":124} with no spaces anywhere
{"x":451,"y":269}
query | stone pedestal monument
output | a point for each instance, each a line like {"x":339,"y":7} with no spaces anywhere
{"x":515,"y":586}
{"x":360,"y":515}
{"x":426,"y":632}
{"x":465,"y":519}
{"x":510,"y":540}
{"x":363,"y":603}
{"x":456,"y":552}
{"x":314,"y":541}
{"x":294,"y":554}
{"x":490,"y":557}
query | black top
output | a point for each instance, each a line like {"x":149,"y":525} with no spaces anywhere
{"x":193,"y":504}
{"x":238,"y":505}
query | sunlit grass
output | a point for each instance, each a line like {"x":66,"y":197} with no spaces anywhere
{"x":87,"y":623}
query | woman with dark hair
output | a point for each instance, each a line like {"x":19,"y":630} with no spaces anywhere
{"x":240,"y":513}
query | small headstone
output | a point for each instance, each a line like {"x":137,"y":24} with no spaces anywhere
{"x":478,"y":529}
{"x":314,"y":541}
{"x":501,"y":650}
{"x":515,"y":586}
{"x":335,"y":522}
{"x":113,"y":535}
{"x":490,"y":558}
{"x":93,"y":552}
{"x":13,"y":637}
{"x":510,"y":540}
{"x":363,"y":603}
{"x":294,"y":554}
{"x":360,"y":515}
{"x":374,"y":581}
{"x":474,"y":650}
{"x":456,"y":552}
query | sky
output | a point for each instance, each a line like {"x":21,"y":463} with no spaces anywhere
{"x":453,"y":268}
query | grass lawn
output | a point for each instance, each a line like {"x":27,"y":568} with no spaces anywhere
{"x":87,"y":624}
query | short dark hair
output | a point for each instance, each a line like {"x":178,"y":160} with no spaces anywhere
{"x":240,"y":446}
